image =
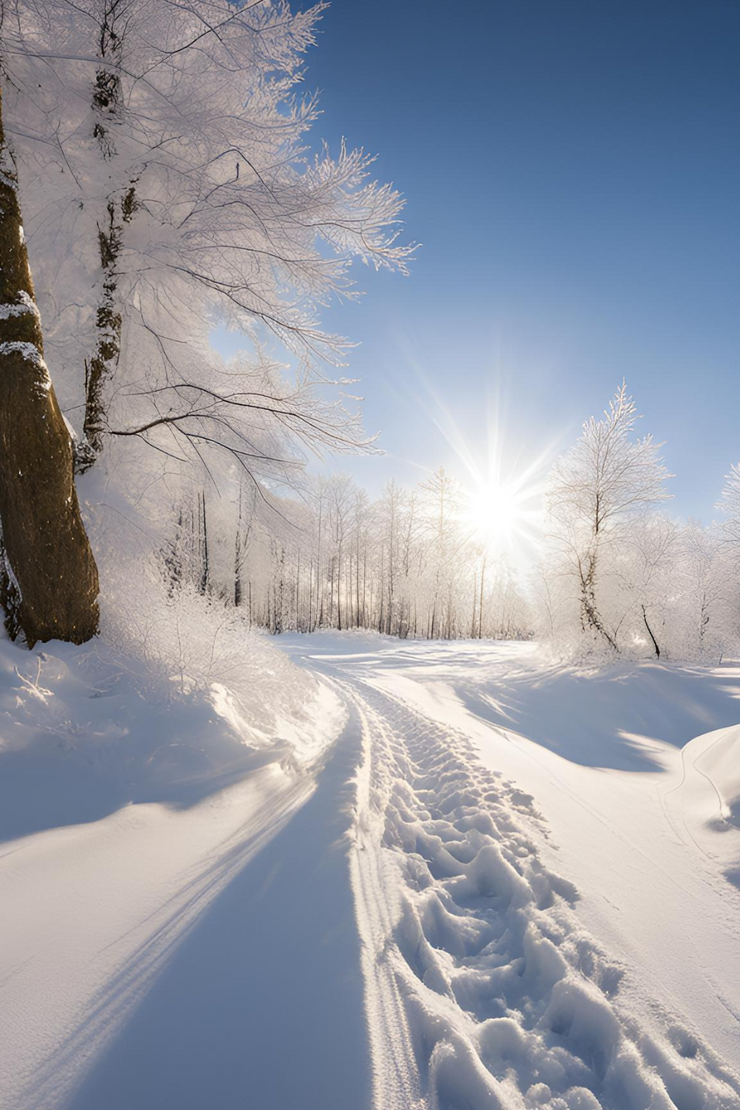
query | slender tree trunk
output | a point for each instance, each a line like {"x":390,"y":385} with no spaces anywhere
{"x":49,"y":580}
{"x":107,"y":109}
{"x":204,"y":577}
{"x":358,"y":620}
{"x":590,"y":616}
{"x":101,"y":367}
{"x":364,"y":589}
{"x":650,"y":633}
{"x":238,"y":558}
{"x":280,"y":602}
{"x":310,"y":597}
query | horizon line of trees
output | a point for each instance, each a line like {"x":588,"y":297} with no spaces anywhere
{"x":615,"y":577}
{"x":407,"y":564}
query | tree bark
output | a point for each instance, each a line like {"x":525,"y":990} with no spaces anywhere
{"x":650,"y":633}
{"x":109,"y":323}
{"x":50,"y":585}
{"x":590,"y":616}
{"x":107,"y":108}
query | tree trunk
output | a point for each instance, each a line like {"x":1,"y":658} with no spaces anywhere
{"x":590,"y":616}
{"x":50,"y":585}
{"x":109,"y":324}
{"x":107,"y":108}
{"x":204,"y":576}
{"x":656,"y":649}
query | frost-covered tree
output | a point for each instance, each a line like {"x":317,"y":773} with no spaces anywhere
{"x":729,"y":504}
{"x":169,"y":188}
{"x":336,"y":560}
{"x":708,"y":609}
{"x":607,"y":479}
{"x":645,"y":573}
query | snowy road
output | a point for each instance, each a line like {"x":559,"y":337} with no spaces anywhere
{"x":501,"y":885}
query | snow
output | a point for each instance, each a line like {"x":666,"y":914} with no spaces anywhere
{"x":24,"y":306}
{"x":434,"y":876}
{"x":28,"y":351}
{"x":609,"y":885}
{"x":125,"y":812}
{"x":716,"y":758}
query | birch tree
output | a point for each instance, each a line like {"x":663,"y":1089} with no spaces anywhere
{"x":166,"y":158}
{"x":167,"y":186}
{"x":608,"y":477}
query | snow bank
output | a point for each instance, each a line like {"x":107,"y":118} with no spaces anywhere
{"x":716,"y":757}
{"x":99,"y":894}
{"x":86,"y":730}
{"x":708,"y":798}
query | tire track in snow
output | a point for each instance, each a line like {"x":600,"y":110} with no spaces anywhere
{"x":395,"y":1078}
{"x":482,"y":990}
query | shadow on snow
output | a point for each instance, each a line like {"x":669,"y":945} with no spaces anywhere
{"x":260,"y":1002}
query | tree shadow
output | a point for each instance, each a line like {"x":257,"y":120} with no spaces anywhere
{"x":261,"y":1002}
{"x":618,"y":717}
{"x":44,"y":788}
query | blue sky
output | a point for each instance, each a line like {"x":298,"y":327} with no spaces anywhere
{"x":572,"y":172}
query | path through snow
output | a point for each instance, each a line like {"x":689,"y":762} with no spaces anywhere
{"x":484,"y":989}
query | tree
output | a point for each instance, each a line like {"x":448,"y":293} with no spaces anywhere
{"x":729,"y":503}
{"x":606,"y":478}
{"x":49,"y":580}
{"x":443,"y":499}
{"x":648,"y":563}
{"x":166,"y":148}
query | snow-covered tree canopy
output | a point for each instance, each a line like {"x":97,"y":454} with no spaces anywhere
{"x":167,"y":187}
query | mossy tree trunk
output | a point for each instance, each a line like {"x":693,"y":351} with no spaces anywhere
{"x":49,"y":583}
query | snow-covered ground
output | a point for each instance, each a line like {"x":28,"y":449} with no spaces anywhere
{"x":447,"y":876}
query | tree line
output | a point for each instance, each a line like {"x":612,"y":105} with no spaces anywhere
{"x":408,"y":564}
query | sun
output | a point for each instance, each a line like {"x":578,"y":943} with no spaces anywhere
{"x":499,"y":514}
{"x":493,"y":512}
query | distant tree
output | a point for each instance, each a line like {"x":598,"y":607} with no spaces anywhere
{"x":729,"y":504}
{"x":608,"y":477}
{"x":443,"y":498}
